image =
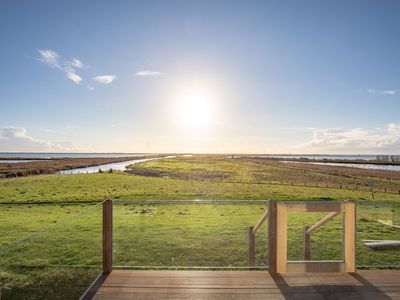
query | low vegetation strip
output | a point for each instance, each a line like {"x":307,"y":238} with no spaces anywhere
{"x":96,"y":187}
{"x":47,"y":166}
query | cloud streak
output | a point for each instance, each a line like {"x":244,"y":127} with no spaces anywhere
{"x":146,"y":73}
{"x":68,"y":67}
{"x":105,"y":79}
{"x":390,"y":92}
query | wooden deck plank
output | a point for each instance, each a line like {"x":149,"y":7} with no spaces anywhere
{"x":249,"y":285}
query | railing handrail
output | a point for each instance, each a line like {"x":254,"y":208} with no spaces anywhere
{"x":252,"y":240}
{"x":309,"y":229}
{"x":322,"y":221}
{"x":260,"y":222}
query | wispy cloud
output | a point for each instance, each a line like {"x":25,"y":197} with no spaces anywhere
{"x":52,"y":131}
{"x":389,"y":92}
{"x":148,"y":73}
{"x":105,"y":79}
{"x":102,"y":104}
{"x":76,"y":63}
{"x":16,"y":139}
{"x":385,"y":139}
{"x":50,"y":58}
{"x":68,"y":67}
{"x":296,"y":128}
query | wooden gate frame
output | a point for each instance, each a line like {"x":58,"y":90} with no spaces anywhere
{"x":277,"y":236}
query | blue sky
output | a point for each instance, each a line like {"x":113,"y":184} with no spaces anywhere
{"x":200,"y":76}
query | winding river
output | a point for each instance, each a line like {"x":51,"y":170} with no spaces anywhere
{"x":120,"y":166}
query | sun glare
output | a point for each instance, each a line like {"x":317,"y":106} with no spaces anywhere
{"x":196,"y":109}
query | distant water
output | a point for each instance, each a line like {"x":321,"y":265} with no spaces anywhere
{"x":89,"y":155}
{"x":349,"y":165}
{"x":14,"y":161}
{"x":322,"y":157}
{"x":69,"y":155}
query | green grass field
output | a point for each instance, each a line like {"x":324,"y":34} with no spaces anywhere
{"x":64,"y":252}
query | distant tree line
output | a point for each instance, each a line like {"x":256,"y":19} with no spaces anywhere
{"x":388,"y":158}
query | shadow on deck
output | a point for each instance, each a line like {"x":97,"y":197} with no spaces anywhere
{"x":249,"y":285}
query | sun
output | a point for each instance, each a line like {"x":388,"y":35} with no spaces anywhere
{"x":196,"y":108}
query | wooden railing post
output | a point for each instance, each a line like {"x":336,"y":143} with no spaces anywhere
{"x":252,"y":247}
{"x":306,"y":244}
{"x":107,"y":236}
{"x":272,"y":236}
{"x":349,"y":237}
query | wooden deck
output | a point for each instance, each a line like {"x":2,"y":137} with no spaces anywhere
{"x":247,"y":285}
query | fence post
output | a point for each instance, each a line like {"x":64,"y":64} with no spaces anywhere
{"x":107,"y":236}
{"x":306,"y":244}
{"x":252,"y":248}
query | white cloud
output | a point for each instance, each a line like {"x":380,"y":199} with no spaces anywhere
{"x":371,"y":91}
{"x":105,"y":79}
{"x":16,"y":139}
{"x":76,"y":63}
{"x":389,"y":92}
{"x":68,"y":67}
{"x":355,"y":140}
{"x":148,"y":73}
{"x":74,"y":77}
{"x":49,"y":57}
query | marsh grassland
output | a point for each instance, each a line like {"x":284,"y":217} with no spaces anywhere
{"x":62,"y":216}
